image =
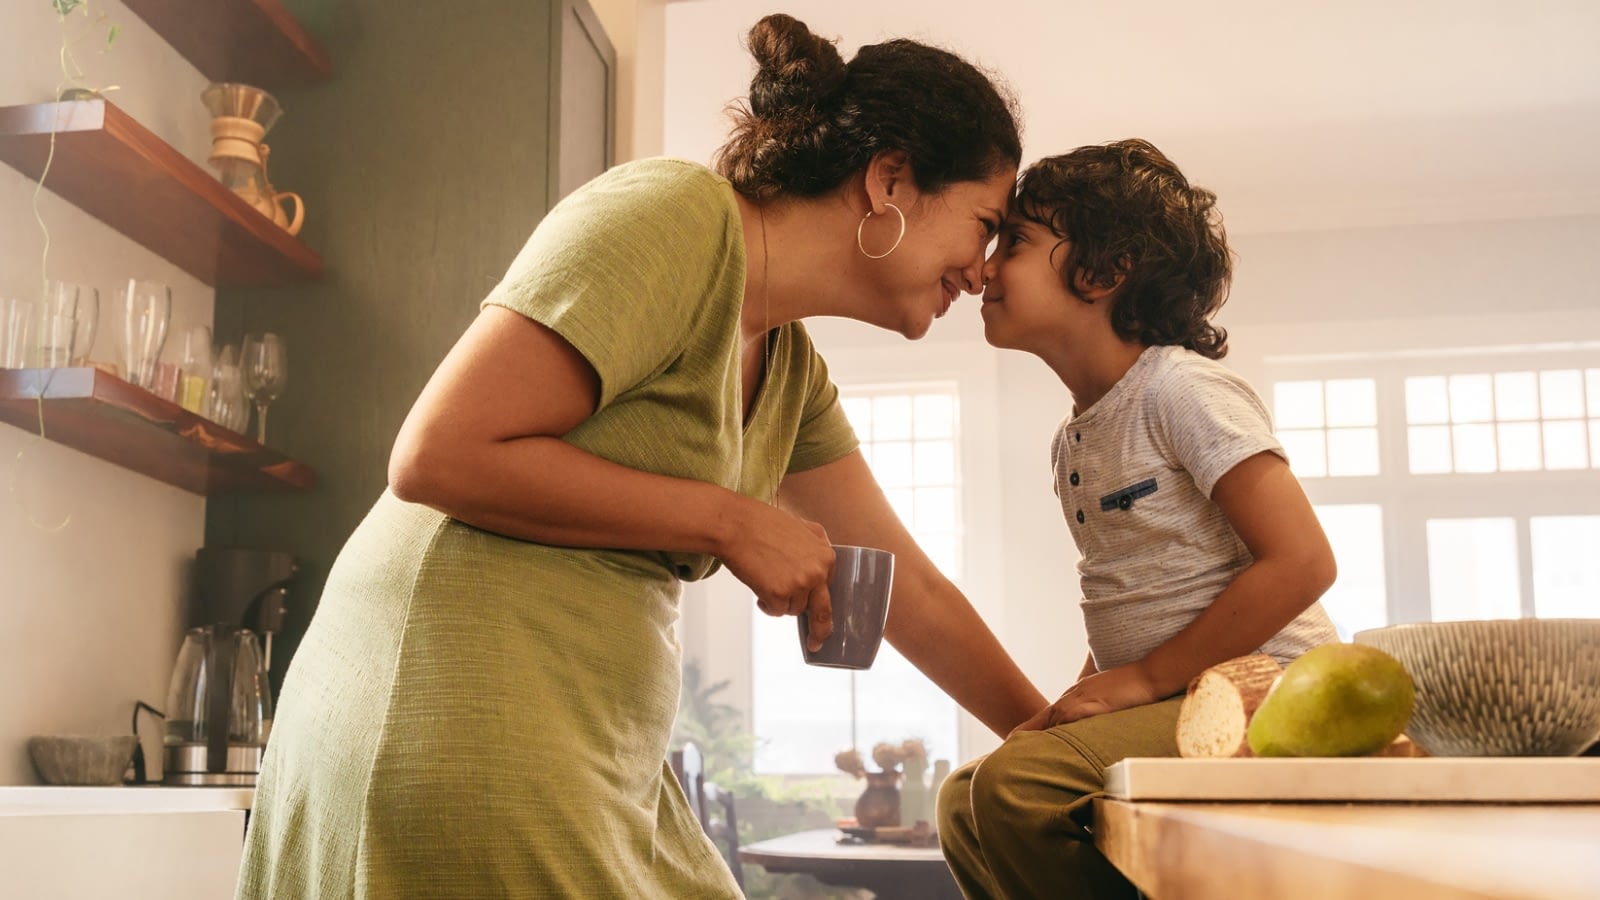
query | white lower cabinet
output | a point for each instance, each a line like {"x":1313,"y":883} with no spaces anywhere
{"x":53,"y":853}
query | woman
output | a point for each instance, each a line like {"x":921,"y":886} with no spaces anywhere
{"x":482,"y":704}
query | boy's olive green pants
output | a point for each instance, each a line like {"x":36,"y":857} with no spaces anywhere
{"x":1015,"y":824}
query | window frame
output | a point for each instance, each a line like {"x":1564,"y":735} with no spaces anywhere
{"x":1409,"y":500}
{"x":716,"y":614}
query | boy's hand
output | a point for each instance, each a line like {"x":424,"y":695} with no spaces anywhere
{"x":1121,"y":688}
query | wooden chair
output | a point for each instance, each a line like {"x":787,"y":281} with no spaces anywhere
{"x":728,"y":830}
{"x":689,"y":767}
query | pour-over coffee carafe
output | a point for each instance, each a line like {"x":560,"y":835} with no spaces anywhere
{"x":241,"y":116}
{"x":219,"y":704}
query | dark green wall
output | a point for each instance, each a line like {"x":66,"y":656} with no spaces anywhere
{"x":423,"y":166}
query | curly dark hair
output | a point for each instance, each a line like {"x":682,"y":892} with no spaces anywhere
{"x":812,"y":120}
{"x":1124,"y":208}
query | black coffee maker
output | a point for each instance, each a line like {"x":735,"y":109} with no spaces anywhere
{"x":219,"y":704}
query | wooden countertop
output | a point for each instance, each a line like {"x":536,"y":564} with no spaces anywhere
{"x":1230,"y":851}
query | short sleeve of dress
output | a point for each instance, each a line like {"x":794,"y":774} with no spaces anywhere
{"x":825,"y":434}
{"x":623,"y":266}
{"x":1210,"y":420}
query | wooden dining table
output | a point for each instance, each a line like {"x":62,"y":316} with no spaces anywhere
{"x":890,"y":871}
{"x":1371,"y":851}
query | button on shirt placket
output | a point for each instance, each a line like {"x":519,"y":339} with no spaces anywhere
{"x":1077,"y":438}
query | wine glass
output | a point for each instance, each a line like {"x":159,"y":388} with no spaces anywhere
{"x":226,"y":405}
{"x":265,"y":368}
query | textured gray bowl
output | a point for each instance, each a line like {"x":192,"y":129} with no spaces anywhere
{"x":1512,"y":687}
{"x":81,"y":760}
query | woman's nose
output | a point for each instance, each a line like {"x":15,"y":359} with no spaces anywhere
{"x":972,"y":277}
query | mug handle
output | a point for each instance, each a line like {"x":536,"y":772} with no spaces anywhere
{"x":299,"y":209}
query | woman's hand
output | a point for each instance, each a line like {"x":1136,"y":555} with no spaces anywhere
{"x":786,"y":561}
{"x":1121,"y":688}
{"x":930,"y":621}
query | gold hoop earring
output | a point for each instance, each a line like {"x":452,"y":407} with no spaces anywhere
{"x":898,"y":238}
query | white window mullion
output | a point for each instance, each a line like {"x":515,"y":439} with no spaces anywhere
{"x":1525,"y":565}
{"x":1404,"y":534}
{"x":1405,"y":530}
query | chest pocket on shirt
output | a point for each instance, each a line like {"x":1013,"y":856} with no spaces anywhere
{"x":1123,"y":499}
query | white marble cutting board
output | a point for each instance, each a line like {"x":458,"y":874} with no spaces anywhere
{"x":1394,"y":780}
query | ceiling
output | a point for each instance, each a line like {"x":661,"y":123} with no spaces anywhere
{"x":1359,"y":114}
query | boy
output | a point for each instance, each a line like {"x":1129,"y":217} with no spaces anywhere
{"x":1197,"y":542}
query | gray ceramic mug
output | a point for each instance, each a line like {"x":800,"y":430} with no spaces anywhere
{"x":862,"y":578}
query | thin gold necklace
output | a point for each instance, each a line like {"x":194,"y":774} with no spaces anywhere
{"x":766,"y":356}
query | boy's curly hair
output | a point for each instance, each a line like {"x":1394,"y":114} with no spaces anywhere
{"x":1124,"y":209}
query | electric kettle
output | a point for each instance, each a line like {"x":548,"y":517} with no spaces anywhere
{"x":219,"y":708}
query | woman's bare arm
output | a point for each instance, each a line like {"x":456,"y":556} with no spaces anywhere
{"x":930,"y":621}
{"x":483,"y":445}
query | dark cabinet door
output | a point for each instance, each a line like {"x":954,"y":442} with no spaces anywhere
{"x":583,"y":98}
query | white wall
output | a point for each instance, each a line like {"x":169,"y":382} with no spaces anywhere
{"x":1353,"y":114}
{"x":637,"y":32}
{"x":1449,"y":271}
{"x":1476,"y":284}
{"x":90,"y":610}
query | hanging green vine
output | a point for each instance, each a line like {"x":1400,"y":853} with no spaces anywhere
{"x":94,"y":20}
{"x":71,"y":74}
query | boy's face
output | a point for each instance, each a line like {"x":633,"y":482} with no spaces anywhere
{"x":1025,"y":305}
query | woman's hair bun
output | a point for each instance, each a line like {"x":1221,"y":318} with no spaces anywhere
{"x":795,"y":68}
{"x":812,"y":121}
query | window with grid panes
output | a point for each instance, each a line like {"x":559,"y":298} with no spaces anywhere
{"x":802,"y":716}
{"x":1516,"y":421}
{"x":1462,"y":487}
{"x":1328,"y":427}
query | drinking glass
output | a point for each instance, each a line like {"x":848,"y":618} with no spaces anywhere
{"x":88,"y":319}
{"x":69,"y":315}
{"x":266,"y":369}
{"x":16,"y":324}
{"x":166,"y":381}
{"x":146,"y":313}
{"x":195,"y":381}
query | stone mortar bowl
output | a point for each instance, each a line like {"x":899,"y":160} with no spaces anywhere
{"x":81,"y":759}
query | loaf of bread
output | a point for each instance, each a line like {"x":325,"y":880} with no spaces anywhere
{"x":1215,"y":716}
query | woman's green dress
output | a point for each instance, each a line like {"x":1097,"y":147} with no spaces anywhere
{"x":473,"y":716}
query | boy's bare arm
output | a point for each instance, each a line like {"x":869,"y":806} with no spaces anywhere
{"x":1293,"y":565}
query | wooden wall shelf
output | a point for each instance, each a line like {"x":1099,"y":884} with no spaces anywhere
{"x":251,"y":41}
{"x":119,"y":172}
{"x":108,"y":418}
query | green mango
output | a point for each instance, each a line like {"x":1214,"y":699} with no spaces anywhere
{"x":1336,"y":700}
